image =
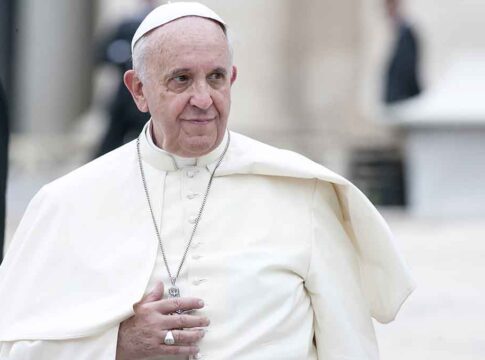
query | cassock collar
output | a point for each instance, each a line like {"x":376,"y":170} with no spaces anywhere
{"x":163,"y":160}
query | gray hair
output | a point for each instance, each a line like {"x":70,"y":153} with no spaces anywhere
{"x":141,"y":50}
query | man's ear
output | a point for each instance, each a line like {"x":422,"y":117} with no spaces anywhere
{"x":233,"y":74}
{"x":135,"y":87}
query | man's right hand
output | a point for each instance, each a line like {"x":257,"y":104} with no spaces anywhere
{"x":142,"y":335}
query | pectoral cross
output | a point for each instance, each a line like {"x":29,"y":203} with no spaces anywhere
{"x":174,"y":292}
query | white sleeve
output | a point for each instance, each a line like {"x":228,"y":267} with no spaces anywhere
{"x":99,"y":347}
{"x":342,"y":321}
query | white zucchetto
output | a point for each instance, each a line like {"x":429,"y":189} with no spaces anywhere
{"x":170,"y":12}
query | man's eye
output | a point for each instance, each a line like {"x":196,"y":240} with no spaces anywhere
{"x":181,"y":79}
{"x":179,"y":82}
{"x":216,"y":76}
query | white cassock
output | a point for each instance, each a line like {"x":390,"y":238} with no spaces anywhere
{"x":291,"y":260}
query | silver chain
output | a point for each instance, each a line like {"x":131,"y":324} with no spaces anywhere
{"x":173,"y":279}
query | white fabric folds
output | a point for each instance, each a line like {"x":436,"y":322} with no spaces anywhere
{"x":85,"y":249}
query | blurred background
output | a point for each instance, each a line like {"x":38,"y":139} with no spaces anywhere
{"x":389,"y":93}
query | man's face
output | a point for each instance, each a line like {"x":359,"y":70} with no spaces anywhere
{"x":392,"y":8}
{"x":187,"y":85}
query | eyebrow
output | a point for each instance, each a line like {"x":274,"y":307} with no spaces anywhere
{"x":176,"y":72}
{"x":180,"y":71}
{"x":220,"y":70}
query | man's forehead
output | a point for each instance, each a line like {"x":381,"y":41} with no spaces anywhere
{"x":167,"y":13}
{"x":188,"y":43}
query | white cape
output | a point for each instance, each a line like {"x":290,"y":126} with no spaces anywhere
{"x":85,"y":249}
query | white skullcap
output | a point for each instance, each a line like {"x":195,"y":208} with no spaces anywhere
{"x":170,"y":12}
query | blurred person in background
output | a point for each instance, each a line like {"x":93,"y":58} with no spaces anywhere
{"x":4,"y":135}
{"x":125,"y":120}
{"x":193,"y":227}
{"x":402,"y":74}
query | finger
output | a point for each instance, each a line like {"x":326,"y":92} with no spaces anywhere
{"x":186,"y":337}
{"x":170,"y":306}
{"x":155,"y":295}
{"x":184,"y":322}
{"x":178,"y":350}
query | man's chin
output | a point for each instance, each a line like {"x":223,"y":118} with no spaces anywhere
{"x":199,"y":145}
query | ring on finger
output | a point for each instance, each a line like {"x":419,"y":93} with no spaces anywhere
{"x":169,"y":339}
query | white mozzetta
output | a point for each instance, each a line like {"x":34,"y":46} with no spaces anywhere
{"x":285,"y":250}
{"x":100,"y":346}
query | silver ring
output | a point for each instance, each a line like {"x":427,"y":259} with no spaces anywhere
{"x":169,"y":339}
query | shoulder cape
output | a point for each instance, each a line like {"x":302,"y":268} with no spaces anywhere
{"x":72,"y":269}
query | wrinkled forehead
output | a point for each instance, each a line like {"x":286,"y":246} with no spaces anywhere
{"x":168,"y":13}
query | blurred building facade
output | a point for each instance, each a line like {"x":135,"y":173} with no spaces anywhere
{"x":310,"y":72}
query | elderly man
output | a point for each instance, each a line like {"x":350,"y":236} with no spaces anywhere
{"x":194,"y":241}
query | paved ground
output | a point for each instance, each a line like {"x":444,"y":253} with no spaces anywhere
{"x":445,"y":317}
{"x":443,"y":320}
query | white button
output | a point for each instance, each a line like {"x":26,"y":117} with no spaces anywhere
{"x":191,"y":173}
{"x":196,"y":257}
{"x":198,"y":282}
{"x":191,"y":196}
{"x":192,"y":219}
{"x":196,"y":245}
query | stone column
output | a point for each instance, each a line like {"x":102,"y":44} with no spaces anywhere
{"x":53,"y":67}
{"x":322,"y":52}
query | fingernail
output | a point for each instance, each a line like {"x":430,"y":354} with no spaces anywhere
{"x":201,"y":303}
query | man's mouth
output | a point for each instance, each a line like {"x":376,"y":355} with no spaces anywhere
{"x":199,"y":121}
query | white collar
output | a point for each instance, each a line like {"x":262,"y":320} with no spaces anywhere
{"x":163,"y":160}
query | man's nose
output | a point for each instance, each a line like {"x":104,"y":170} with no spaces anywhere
{"x":201,"y":96}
